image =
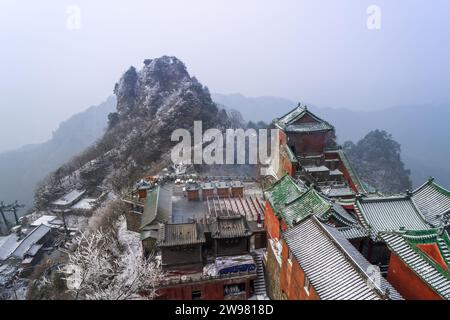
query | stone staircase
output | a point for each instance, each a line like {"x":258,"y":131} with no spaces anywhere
{"x":260,"y":282}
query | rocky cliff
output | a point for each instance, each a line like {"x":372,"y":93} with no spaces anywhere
{"x":151,"y":104}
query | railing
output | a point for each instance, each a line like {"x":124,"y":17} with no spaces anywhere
{"x":202,"y":278}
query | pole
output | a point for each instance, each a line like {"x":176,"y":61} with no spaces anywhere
{"x":13,"y":208}
{"x":2,"y":207}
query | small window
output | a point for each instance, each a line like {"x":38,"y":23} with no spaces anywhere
{"x":196,"y":295}
{"x":307,"y":285}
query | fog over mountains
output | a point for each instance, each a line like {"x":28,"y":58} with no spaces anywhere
{"x":422,"y":131}
{"x":21,"y":169}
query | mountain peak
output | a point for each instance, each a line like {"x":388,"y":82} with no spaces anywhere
{"x":158,"y":83}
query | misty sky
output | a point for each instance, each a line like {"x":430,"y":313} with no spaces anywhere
{"x":317,"y":51}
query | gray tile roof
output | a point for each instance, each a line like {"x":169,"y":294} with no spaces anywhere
{"x":360,"y":260}
{"x":69,"y":198}
{"x":339,"y":213}
{"x":229,"y":227}
{"x":222,"y":185}
{"x":337,"y":191}
{"x":237,"y":184}
{"x":342,"y":214}
{"x":30,"y":240}
{"x":403,"y":246}
{"x":207,"y":185}
{"x":336,"y":270}
{"x":316,"y":169}
{"x":180,"y":234}
{"x":389,"y":214}
{"x":289,"y":122}
{"x":158,"y":207}
{"x":8,"y":244}
{"x":354,"y":232}
{"x":433,"y":201}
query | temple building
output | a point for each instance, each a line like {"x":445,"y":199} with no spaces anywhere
{"x":209,"y":249}
{"x":308,"y":151}
{"x":424,"y":209}
{"x":325,"y":227}
{"x":181,"y":246}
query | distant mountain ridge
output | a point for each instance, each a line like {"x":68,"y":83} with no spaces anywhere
{"x":21,"y":169}
{"x":422,"y":131}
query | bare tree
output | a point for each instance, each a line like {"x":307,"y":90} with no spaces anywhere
{"x":100,"y":270}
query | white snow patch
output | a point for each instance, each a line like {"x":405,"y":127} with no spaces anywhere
{"x":85,"y":204}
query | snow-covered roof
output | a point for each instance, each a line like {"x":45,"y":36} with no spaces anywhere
{"x":316,"y":169}
{"x":336,"y":172}
{"x":45,"y":220}
{"x":291,"y":122}
{"x":433,"y":201}
{"x":337,"y":271}
{"x":390,"y":214}
{"x":84,"y":204}
{"x":30,"y":240}
{"x":69,"y":198}
{"x":7,"y":245}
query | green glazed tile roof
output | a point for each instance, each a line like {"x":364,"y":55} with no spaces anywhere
{"x":282,"y":191}
{"x":157,"y":208}
{"x":309,"y":203}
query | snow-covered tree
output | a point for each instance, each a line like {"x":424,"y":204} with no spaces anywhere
{"x":101,"y":269}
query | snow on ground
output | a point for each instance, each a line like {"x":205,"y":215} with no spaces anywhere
{"x":76,"y":222}
{"x":129,"y":239}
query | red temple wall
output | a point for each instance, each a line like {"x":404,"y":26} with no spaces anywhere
{"x":432,"y":251}
{"x":213,"y":290}
{"x":288,"y":166}
{"x":271,"y":222}
{"x":407,"y":283}
{"x":308,"y":143}
{"x":292,"y":279}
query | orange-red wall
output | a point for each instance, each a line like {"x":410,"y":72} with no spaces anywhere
{"x":288,"y":166}
{"x":213,"y":290}
{"x":292,"y":279}
{"x":271,"y":222}
{"x":433,"y":252}
{"x":407,"y":283}
{"x":282,"y":137}
{"x":310,"y":143}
